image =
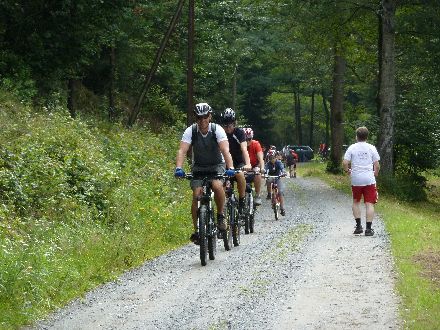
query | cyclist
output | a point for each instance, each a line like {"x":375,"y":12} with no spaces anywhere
{"x":275,"y":167}
{"x":257,"y":162}
{"x":272,"y":148}
{"x":291,"y":160}
{"x":239,"y":153}
{"x":210,"y":152}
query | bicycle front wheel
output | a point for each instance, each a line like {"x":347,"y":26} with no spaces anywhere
{"x":203,"y":219}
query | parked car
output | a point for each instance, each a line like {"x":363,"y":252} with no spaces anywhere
{"x":305,"y":153}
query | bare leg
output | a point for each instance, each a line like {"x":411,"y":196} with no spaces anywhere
{"x":356,"y":207}
{"x":219,"y":195}
{"x":369,"y":211}
{"x":196,"y":192}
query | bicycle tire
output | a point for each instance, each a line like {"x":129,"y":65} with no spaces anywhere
{"x":245,"y":214}
{"x":275,"y":205}
{"x":212,"y":237}
{"x":227,"y":236}
{"x":236,"y":227}
{"x":203,"y":217}
{"x":251,"y":223}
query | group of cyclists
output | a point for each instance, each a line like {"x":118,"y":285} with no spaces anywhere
{"x":224,"y":149}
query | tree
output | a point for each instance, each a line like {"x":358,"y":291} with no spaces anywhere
{"x":387,"y":89}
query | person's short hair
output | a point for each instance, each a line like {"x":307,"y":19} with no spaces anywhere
{"x":362,"y":133}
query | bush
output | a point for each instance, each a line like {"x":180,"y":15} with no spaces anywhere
{"x":405,"y":188}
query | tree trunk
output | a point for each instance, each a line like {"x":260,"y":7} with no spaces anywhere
{"x":298,"y":128}
{"x":312,"y":119}
{"x":72,"y":86}
{"x":337,"y":113}
{"x":387,"y":88}
{"x":111,"y":87}
{"x":298,"y":135}
{"x":190,"y":64}
{"x":327,"y":119}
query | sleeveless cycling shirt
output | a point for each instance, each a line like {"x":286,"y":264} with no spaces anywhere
{"x":362,"y":155}
{"x":206,"y":155}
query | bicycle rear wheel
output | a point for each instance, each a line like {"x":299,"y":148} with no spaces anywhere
{"x":227,"y":236}
{"x":245,"y":214}
{"x":236,"y":227}
{"x":203,"y":218}
{"x":212,"y":237}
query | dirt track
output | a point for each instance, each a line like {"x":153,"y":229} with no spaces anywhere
{"x":306,"y":271}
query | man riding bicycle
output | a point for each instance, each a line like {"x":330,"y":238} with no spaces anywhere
{"x":274,"y":168}
{"x":238,"y":151}
{"x":257,"y":162}
{"x":210,"y":152}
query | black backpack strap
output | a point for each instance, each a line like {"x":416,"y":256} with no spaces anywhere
{"x":194,"y":134}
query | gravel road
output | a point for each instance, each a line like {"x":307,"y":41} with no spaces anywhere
{"x":305,"y":271}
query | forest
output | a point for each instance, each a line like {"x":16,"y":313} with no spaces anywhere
{"x":298,"y":72}
{"x":95,"y":94}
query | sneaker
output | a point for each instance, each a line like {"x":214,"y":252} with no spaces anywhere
{"x":268,"y":196}
{"x":195,"y":238}
{"x":359,"y":230}
{"x":221,"y":225}
{"x":258,"y":200}
{"x":283,"y":212}
{"x":369,"y":232}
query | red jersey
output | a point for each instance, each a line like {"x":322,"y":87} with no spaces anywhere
{"x":253,"y":148}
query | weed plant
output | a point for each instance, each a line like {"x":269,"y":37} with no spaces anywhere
{"x":80,"y":202}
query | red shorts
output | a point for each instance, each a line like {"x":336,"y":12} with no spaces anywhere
{"x":369,"y":192}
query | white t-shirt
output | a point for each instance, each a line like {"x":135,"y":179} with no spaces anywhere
{"x":219,"y":133}
{"x":362,"y":155}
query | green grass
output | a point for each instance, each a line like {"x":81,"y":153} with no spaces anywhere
{"x":414,"y":229}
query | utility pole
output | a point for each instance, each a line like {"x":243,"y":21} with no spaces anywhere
{"x":190,"y":64}
{"x":135,"y":111}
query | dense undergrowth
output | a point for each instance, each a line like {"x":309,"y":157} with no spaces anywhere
{"x":80,"y":202}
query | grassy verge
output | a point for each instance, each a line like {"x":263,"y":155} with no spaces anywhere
{"x":415,"y":241}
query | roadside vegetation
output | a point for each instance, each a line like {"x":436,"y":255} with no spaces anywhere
{"x":414,"y":230}
{"x":80,"y":202}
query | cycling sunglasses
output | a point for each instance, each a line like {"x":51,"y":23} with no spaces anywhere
{"x":202,"y":117}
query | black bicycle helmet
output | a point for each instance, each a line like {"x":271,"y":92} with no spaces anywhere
{"x":228,"y":116}
{"x":202,"y":109}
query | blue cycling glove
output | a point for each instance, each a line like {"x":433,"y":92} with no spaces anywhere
{"x":230,"y":172}
{"x":179,"y":172}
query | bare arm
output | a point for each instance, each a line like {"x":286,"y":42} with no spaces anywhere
{"x":376,"y":168}
{"x":224,"y":148}
{"x":181,"y":153}
{"x":245,"y":153}
{"x":345,"y":164}
{"x":260,"y":160}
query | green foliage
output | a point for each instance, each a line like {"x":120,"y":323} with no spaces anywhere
{"x":79,"y":203}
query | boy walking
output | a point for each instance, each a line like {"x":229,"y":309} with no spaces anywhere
{"x":361,"y":162}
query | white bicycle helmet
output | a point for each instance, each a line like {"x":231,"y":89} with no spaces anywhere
{"x":228,"y":116}
{"x":249,"y":133}
{"x":202,"y":109}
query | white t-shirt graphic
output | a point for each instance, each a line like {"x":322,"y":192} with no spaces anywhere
{"x":362,"y":155}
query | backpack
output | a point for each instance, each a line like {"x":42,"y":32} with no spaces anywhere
{"x":194,"y":134}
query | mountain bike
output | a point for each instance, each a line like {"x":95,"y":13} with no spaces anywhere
{"x":205,"y":216}
{"x":232,"y":234}
{"x":275,"y":194}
